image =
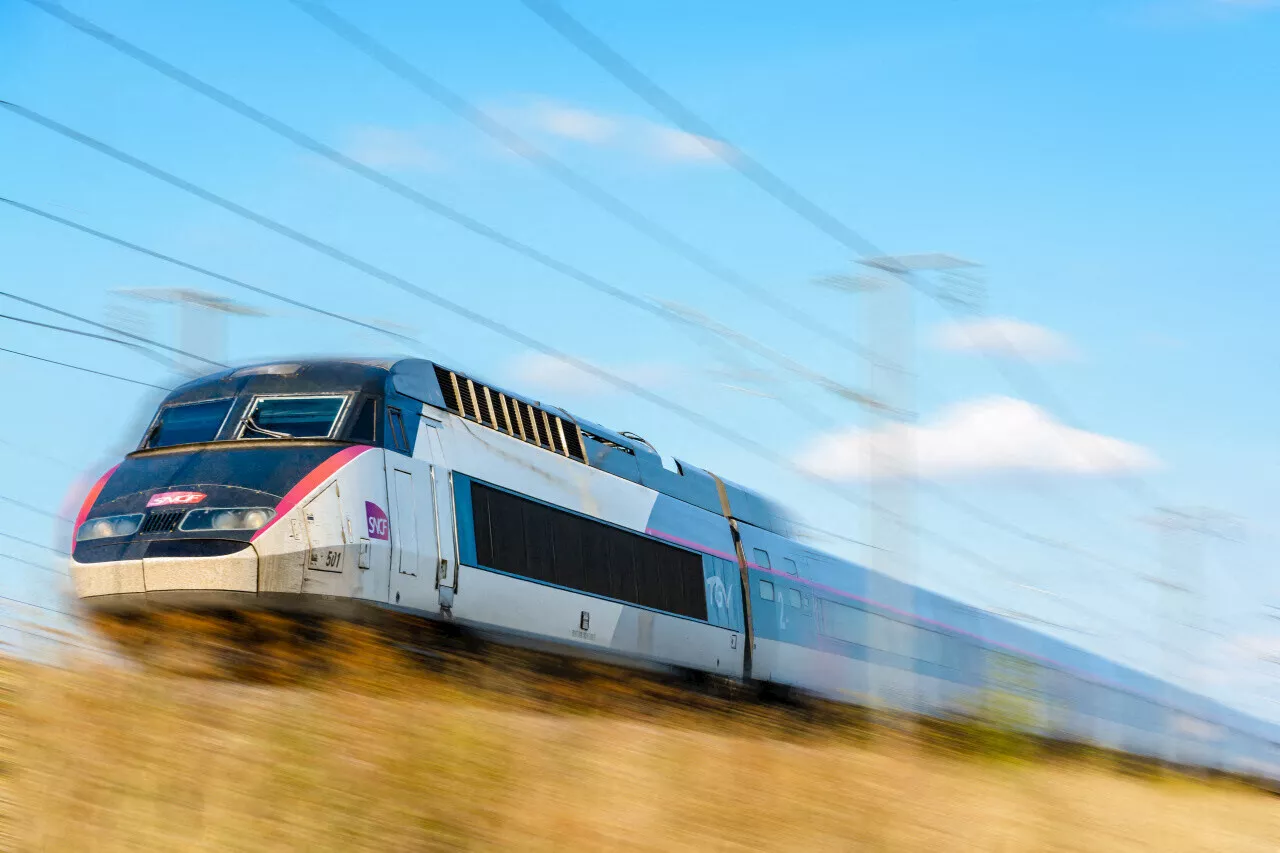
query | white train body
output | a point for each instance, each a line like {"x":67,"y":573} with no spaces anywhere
{"x":340,"y":486}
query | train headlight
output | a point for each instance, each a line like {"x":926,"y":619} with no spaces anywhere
{"x":252,"y":518}
{"x":255,"y":518}
{"x":108,"y":526}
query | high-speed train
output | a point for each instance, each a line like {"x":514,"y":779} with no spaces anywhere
{"x":330,"y":486}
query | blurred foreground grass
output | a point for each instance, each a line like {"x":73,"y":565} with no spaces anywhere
{"x":383,"y":756}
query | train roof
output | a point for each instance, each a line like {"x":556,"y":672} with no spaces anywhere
{"x":620,"y":453}
{"x":629,"y":456}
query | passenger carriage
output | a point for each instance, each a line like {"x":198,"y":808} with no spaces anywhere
{"x":346,"y":487}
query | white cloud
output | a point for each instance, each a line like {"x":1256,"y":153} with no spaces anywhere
{"x":389,"y":148}
{"x":993,"y":434}
{"x":545,"y":373}
{"x":1004,"y":336}
{"x":668,"y":143}
{"x":574,"y":123}
{"x":626,"y":134}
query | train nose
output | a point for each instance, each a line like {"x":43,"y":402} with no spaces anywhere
{"x":174,"y":564}
{"x":219,"y":564}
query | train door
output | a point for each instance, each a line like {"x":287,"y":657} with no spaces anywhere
{"x":414,"y":548}
{"x":422,"y":564}
{"x":442,"y":509}
{"x":446,"y":573}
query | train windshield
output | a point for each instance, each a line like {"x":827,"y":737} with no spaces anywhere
{"x":292,"y":417}
{"x":189,"y":423}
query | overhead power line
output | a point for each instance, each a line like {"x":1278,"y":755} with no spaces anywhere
{"x":84,"y":369}
{"x":434,"y":89}
{"x":32,"y":451}
{"x":612,"y":62}
{"x":616,"y":65}
{"x":121,"y":332}
{"x":169,"y":259}
{"x":382,"y":179}
{"x":403,"y":284}
{"x":39,"y":607}
{"x":33,"y":508}
{"x":686,"y":119}
{"x":35,"y":545}
{"x":68,"y":331}
{"x":34,"y":564}
{"x":52,"y":639}
{"x":562,"y":172}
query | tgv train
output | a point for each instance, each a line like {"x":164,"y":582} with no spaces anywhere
{"x":330,"y":486}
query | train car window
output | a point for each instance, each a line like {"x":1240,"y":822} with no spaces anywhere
{"x":292,"y":417}
{"x":929,"y":646}
{"x":188,"y":423}
{"x":530,"y":539}
{"x":790,"y":566}
{"x":766,"y":590}
{"x":365,"y":426}
{"x":842,"y":622}
{"x":793,"y":598}
{"x":762,"y":558}
{"x":881,"y":633}
{"x":398,"y":440}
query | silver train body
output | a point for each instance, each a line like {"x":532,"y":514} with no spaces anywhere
{"x":338,"y":486}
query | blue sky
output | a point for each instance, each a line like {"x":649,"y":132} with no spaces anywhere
{"x":1111,"y":164}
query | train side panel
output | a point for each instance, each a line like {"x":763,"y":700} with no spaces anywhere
{"x":525,"y":596}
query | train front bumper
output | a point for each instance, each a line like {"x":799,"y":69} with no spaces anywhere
{"x":234,"y":572}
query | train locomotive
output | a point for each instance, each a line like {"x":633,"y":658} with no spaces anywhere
{"x":340,"y":487}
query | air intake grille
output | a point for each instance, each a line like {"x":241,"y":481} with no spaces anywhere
{"x":446,"y":380}
{"x":475,"y":402}
{"x":163,"y":522}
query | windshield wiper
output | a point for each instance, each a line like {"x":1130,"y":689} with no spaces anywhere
{"x":253,"y":425}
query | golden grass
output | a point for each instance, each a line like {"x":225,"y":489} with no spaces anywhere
{"x":385,"y":758}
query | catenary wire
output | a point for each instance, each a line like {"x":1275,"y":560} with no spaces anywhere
{"x":33,"y":508}
{"x":41,"y":607}
{"x":35,"y":545}
{"x":123,"y":333}
{"x":612,"y":62}
{"x":380,"y":178}
{"x":262,"y":291}
{"x":428,"y":85}
{"x":52,"y":639}
{"x":34,"y":564}
{"x":84,"y":369}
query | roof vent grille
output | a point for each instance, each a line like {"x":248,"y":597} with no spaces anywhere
{"x":471,"y":400}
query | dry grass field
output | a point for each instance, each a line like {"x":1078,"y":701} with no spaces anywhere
{"x":385,"y":757}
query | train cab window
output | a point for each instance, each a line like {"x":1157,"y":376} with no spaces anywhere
{"x":188,"y":423}
{"x":398,"y":439}
{"x":790,"y":566}
{"x":766,"y":590}
{"x":365,"y":426}
{"x":793,"y":598}
{"x":292,"y":417}
{"x":762,"y":558}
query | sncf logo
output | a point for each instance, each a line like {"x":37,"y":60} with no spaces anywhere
{"x":379,"y":527}
{"x":175,"y":498}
